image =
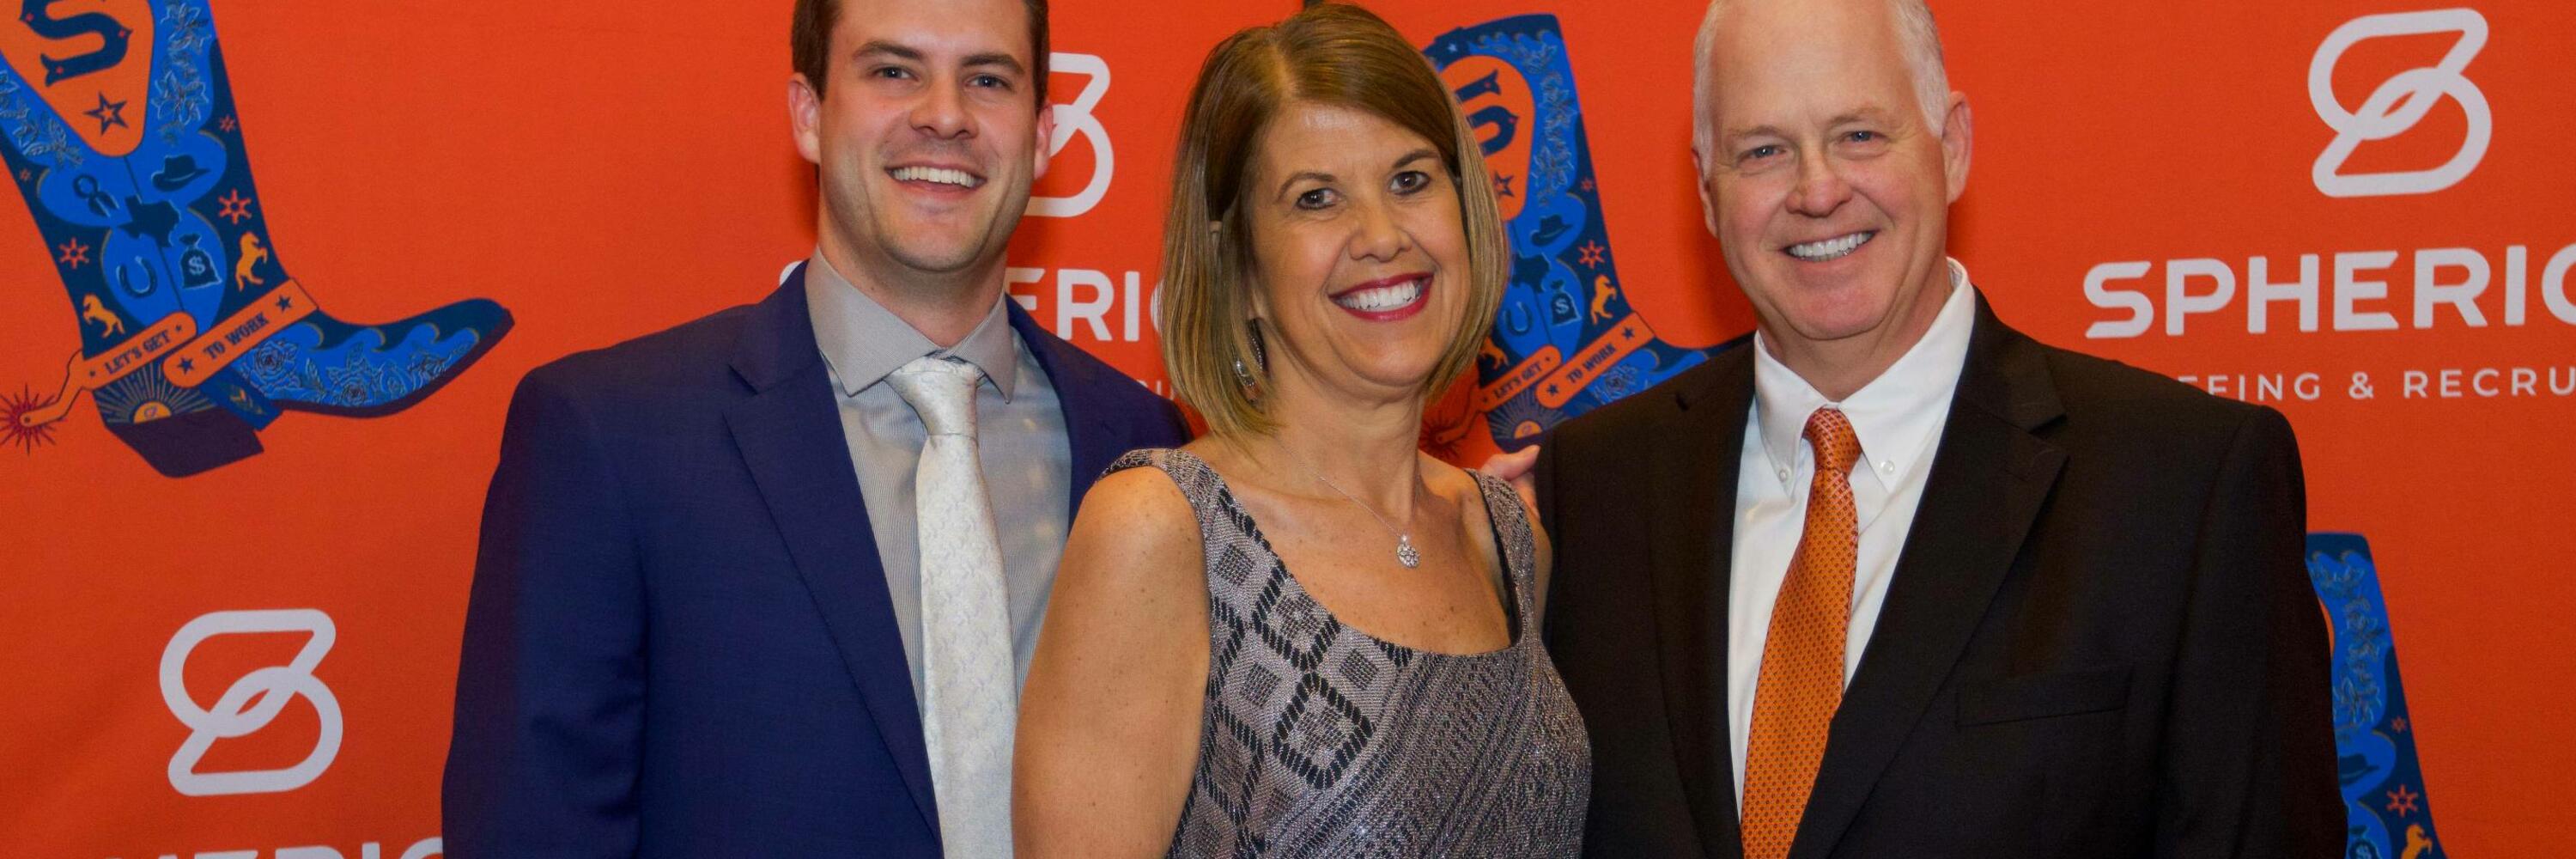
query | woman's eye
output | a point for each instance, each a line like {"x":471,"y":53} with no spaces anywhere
{"x":1315,"y":199}
{"x":1411,"y":180}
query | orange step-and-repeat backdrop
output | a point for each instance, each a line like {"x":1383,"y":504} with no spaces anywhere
{"x":245,"y":427}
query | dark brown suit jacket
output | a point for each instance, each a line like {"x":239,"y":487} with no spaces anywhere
{"x":2100,"y":640}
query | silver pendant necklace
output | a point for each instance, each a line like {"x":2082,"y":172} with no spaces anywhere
{"x":1404,"y":553}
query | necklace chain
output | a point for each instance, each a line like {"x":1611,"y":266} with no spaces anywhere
{"x":1404,"y":551}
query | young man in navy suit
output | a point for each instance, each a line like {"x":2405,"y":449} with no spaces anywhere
{"x":765,"y":584}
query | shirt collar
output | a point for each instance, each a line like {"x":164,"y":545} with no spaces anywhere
{"x":1895,"y":416}
{"x":864,"y":342}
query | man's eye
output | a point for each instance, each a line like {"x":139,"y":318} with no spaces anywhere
{"x":994,"y":81}
{"x":1315,"y":199}
{"x":1864,"y":136}
{"x":1411,"y":180}
{"x":1760,"y":152}
{"x":890,"y":72}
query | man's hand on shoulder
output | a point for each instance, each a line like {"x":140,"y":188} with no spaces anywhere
{"x":1517,"y":467}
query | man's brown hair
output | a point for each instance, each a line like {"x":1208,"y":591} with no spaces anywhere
{"x":809,"y":43}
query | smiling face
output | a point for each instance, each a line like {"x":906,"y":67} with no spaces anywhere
{"x":1358,"y":249}
{"x":1827,"y":190}
{"x":927,"y":136}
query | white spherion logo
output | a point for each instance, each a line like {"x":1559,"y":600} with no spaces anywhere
{"x":2399,"y":103}
{"x":1075,"y":118}
{"x":251,"y":702}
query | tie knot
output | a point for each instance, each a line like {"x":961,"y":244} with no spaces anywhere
{"x":941,"y":391}
{"x":1830,"y":433}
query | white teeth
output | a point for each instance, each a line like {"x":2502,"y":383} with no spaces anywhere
{"x":1382,"y":298}
{"x":940,"y":175}
{"x":1831,"y":248}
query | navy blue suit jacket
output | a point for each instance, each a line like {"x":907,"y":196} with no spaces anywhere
{"x":679,"y":641}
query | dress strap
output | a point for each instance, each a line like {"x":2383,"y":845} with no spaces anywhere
{"x":1236,"y":554}
{"x":1515,"y":536}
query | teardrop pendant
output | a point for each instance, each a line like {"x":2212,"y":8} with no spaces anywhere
{"x":1404,"y":552}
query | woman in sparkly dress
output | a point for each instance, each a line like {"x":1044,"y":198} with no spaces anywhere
{"x":1298,"y":635}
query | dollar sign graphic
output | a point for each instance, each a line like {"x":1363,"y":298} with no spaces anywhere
{"x":112,"y":35}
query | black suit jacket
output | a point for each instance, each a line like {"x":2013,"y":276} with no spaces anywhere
{"x":2099,"y":642}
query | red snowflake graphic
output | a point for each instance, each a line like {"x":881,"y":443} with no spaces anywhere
{"x":2402,"y":800}
{"x":236,"y":207}
{"x":75,"y":254}
{"x":1590,"y":254}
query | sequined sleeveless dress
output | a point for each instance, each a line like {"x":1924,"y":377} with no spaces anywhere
{"x":1318,"y":740}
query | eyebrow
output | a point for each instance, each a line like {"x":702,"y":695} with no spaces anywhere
{"x":1005,"y":61}
{"x":1400,"y":161}
{"x":1866,"y":114}
{"x":886,"y":48}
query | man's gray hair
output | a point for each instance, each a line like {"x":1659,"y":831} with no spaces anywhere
{"x":1914,"y":28}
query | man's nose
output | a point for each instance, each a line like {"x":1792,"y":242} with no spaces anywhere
{"x":941,"y":113}
{"x":1820,"y":189}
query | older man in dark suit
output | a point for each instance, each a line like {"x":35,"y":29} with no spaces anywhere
{"x":1897,"y":580}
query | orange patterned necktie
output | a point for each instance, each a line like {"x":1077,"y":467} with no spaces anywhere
{"x":1802,"y":661}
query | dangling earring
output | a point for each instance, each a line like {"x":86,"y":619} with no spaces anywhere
{"x":1260,"y":359}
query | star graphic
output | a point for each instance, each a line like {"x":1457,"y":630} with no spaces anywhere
{"x":2398,"y":724}
{"x":1587,"y":184}
{"x":1628,"y":332}
{"x":228,"y":125}
{"x":75,"y":254}
{"x":26,"y":175}
{"x":2402,"y":800}
{"x":285,"y":302}
{"x":1503,"y":185}
{"x":1590,"y":254}
{"x":1552,"y":389}
{"x":109,"y":114}
{"x":236,"y":207}
{"x":187,"y":365}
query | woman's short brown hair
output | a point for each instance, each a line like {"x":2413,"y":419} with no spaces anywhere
{"x":1329,"y":54}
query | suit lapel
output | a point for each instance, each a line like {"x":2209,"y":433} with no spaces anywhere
{"x":1091,"y":440}
{"x":789,"y":433}
{"x":1693,"y":538}
{"x":1990,"y":477}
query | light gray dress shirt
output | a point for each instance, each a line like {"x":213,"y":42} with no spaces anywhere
{"x":1020,"y":442}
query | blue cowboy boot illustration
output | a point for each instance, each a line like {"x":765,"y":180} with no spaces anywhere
{"x":1565,"y":339}
{"x":121,"y":136}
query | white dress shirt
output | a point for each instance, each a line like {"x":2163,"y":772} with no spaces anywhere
{"x":1898,"y":418}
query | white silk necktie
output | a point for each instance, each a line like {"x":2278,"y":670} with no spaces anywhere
{"x":970,"y":696}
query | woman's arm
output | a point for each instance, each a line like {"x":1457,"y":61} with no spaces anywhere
{"x":1109,"y":721}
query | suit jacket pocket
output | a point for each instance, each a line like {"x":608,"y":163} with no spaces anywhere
{"x":2041,"y":696}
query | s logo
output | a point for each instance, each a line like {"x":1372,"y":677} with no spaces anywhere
{"x":91,"y":61}
{"x":1076,"y":119}
{"x":1496,"y":101}
{"x":2401,"y":102}
{"x":112,"y":38}
{"x":251,"y":702}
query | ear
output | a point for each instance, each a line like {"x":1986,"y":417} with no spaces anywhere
{"x":1046,"y":141}
{"x":805,"y":117}
{"x":1958,"y":134}
{"x":1707,"y":204}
